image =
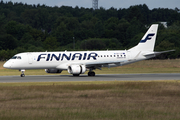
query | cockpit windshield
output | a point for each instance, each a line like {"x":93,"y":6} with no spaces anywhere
{"x":16,"y":57}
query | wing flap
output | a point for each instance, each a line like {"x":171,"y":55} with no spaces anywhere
{"x":104,"y":64}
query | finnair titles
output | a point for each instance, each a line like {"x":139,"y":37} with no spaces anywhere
{"x":79,"y":56}
{"x":78,"y":62}
{"x":75,"y":56}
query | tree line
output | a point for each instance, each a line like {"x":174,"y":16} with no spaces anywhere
{"x":30,"y":28}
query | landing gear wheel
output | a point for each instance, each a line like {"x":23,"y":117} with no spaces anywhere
{"x":22,"y":75}
{"x":91,"y":73}
{"x":75,"y":74}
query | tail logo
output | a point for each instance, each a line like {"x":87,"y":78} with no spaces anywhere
{"x":148,"y":37}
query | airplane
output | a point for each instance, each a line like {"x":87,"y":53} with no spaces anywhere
{"x":78,"y":62}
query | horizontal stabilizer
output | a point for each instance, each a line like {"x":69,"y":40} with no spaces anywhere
{"x":156,"y":53}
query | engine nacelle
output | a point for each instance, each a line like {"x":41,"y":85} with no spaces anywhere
{"x":77,"y":69}
{"x":53,"y":71}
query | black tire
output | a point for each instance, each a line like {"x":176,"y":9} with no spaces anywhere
{"x":75,"y":74}
{"x":22,"y":75}
{"x":91,"y":73}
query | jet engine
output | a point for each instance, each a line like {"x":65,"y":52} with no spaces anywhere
{"x":53,"y":71}
{"x":77,"y":69}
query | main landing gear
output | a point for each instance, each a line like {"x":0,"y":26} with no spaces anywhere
{"x":75,"y":74}
{"x":91,"y":73}
{"x":22,"y":73}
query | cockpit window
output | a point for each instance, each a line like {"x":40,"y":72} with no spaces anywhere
{"x":16,"y":57}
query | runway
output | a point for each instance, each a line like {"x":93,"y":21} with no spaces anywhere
{"x":107,"y":77}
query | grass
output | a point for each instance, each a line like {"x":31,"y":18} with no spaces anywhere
{"x":91,"y":100}
{"x":94,"y":100}
{"x":146,"y":66}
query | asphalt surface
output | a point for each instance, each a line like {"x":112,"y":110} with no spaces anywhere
{"x":107,"y":77}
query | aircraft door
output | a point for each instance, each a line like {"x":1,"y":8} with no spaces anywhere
{"x":30,"y":58}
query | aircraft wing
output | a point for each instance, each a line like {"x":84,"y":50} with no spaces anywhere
{"x":103,"y":63}
{"x":91,"y":64}
{"x":119,"y":63}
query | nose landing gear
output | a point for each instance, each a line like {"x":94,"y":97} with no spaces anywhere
{"x":22,"y":73}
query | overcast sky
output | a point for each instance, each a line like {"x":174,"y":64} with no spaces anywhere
{"x":105,"y":3}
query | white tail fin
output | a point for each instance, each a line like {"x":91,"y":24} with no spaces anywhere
{"x":148,"y":41}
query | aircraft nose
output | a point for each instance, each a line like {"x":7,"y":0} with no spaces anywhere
{"x":7,"y":64}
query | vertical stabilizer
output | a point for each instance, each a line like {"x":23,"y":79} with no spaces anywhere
{"x":148,"y":41}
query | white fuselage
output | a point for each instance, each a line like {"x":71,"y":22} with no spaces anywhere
{"x":77,"y":62}
{"x":61,"y":60}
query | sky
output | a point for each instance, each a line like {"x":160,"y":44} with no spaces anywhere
{"x":105,"y":3}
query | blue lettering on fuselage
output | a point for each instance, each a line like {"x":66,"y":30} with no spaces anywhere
{"x":63,"y":56}
{"x":48,"y":57}
{"x":93,"y":55}
{"x":67,"y":57}
{"x":85,"y":54}
{"x":39,"y":57}
{"x":77,"y":55}
{"x":56,"y":57}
